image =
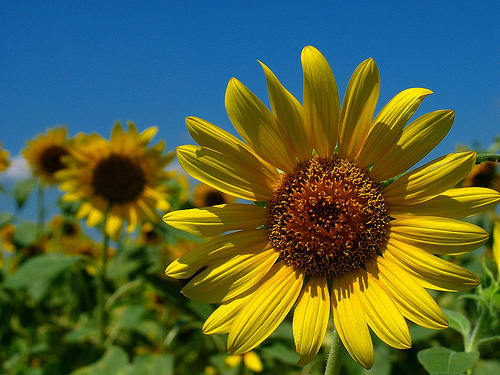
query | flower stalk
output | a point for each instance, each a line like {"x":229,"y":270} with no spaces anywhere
{"x":101,"y":280}
{"x":335,"y":356}
{"x":40,"y":212}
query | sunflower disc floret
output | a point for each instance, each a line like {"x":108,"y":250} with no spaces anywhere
{"x":327,"y":217}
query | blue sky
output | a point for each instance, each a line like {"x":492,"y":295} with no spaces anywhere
{"x":88,"y":63}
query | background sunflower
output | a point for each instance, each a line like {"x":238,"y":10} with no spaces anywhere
{"x":4,"y":159}
{"x":123,"y":177}
{"x":44,"y":154}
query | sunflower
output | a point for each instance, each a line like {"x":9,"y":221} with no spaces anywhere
{"x":45,"y":152}
{"x":331,"y":228}
{"x":4,"y":159}
{"x":204,"y":195}
{"x":124,"y":177}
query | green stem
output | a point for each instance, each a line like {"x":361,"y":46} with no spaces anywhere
{"x":41,"y":213}
{"x":473,"y":338}
{"x":487,"y":157}
{"x":101,"y":279}
{"x":336,"y":355}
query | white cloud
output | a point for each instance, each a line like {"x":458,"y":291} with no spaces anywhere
{"x":17,"y":170}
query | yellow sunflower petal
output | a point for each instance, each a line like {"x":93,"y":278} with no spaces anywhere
{"x":289,"y":113}
{"x":222,"y":319}
{"x":430,"y":180}
{"x":243,"y":242}
{"x":358,"y":108}
{"x":230,"y":277}
{"x":411,"y":298}
{"x":84,"y":210}
{"x":117,"y":132}
{"x":224,"y":173}
{"x":430,"y":271}
{"x":382,"y":314}
{"x":496,"y":243}
{"x":113,"y":225}
{"x":252,"y":362}
{"x":211,"y":221}
{"x":350,"y":320}
{"x":453,"y":203}
{"x":147,"y":135}
{"x":132,"y":129}
{"x":266,"y":309}
{"x":163,"y":205}
{"x":438,"y":235}
{"x":133,"y":218}
{"x":416,"y":141}
{"x":321,"y":102}
{"x":310,"y":319}
{"x":387,"y":125}
{"x":94,"y":217}
{"x":232,"y":360}
{"x":258,"y":127}
{"x":210,"y":136}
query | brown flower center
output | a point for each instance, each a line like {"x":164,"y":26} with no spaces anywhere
{"x":327,"y":217}
{"x":213,"y":198}
{"x":50,"y":159}
{"x":118,"y":179}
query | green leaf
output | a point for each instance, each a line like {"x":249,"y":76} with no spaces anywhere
{"x":5,"y":218}
{"x":77,"y":335}
{"x":445,"y":360}
{"x":149,"y":364}
{"x":487,"y":367}
{"x":131,"y":316}
{"x":37,"y":274}
{"x":113,"y":362}
{"x":129,"y":260}
{"x":25,"y":234}
{"x":22,"y":190}
{"x":458,"y":322}
{"x":282,"y":353}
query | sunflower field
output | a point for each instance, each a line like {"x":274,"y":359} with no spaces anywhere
{"x":312,"y":243}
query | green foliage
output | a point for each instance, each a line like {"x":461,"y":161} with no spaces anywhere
{"x":458,"y":322}
{"x":446,"y":361}
{"x":114,"y":362}
{"x":5,"y":218}
{"x":281,"y":352}
{"x":37,"y":274}
{"x":25,"y":234}
{"x":22,"y":191}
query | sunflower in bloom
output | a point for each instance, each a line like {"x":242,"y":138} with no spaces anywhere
{"x":4,"y":159}
{"x":123,"y":177}
{"x":331,"y":230}
{"x":45,"y":153}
